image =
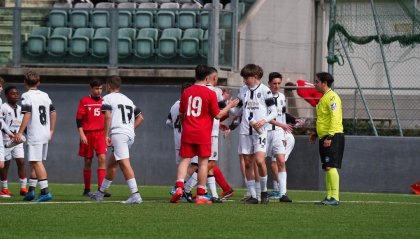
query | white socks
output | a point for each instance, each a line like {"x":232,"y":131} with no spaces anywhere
{"x":251,"y":188}
{"x":211,"y":184}
{"x":282,"y":178}
{"x":191,"y":182}
{"x":105,"y":185}
{"x":132,"y":185}
{"x":263,"y":183}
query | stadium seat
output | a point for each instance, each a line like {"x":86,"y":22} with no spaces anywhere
{"x":168,"y":42}
{"x":184,"y":1}
{"x":37,"y":41}
{"x":100,"y":42}
{"x":163,"y":1}
{"x":101,"y":15}
{"x":125,"y":14}
{"x":205,"y":43}
{"x":125,"y":41}
{"x":144,"y":18}
{"x":166,"y":18}
{"x":59,"y":41}
{"x":58,"y":17}
{"x":80,"y":16}
{"x":144,"y":44}
{"x":142,"y":1}
{"x":204,"y":20}
{"x":80,"y":42}
{"x":188,"y":18}
{"x":190,"y":42}
{"x":226,"y":17}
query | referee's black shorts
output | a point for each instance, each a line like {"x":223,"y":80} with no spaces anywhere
{"x":332,"y":156}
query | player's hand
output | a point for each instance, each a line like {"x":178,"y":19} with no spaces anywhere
{"x":300,"y":123}
{"x":17,"y":137}
{"x":108,"y":141}
{"x":223,"y":126}
{"x":226,"y":133}
{"x":260,"y":123}
{"x":83,"y":139}
{"x":312,"y":137}
{"x":327,"y":143}
{"x":233,"y":103}
{"x":287,"y":128}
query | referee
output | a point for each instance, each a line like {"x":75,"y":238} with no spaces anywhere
{"x":329,"y":130}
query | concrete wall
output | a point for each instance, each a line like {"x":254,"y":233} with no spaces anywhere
{"x":382,"y":164}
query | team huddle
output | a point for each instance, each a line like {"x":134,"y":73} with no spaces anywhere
{"x":259,"y":113}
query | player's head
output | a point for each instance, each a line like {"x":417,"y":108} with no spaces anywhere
{"x":12,"y":94}
{"x":1,"y":84}
{"x":95,"y":87}
{"x":213,"y":76}
{"x":113,"y":83}
{"x":323,"y":81}
{"x":274,"y":81}
{"x":227,"y":93}
{"x":201,"y":72}
{"x":32,"y":79}
{"x":251,"y":74}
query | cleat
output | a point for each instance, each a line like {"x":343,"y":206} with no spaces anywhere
{"x":264,"y":198}
{"x":285,"y":198}
{"x":44,"y":197}
{"x":228,"y":194}
{"x":29,"y":196}
{"x":246,"y":196}
{"x":188,"y":197}
{"x":331,"y":202}
{"x":5,"y":193}
{"x":202,"y":200}
{"x":98,"y":196}
{"x":274,"y":195}
{"x":172,"y":191}
{"x":177,"y":195}
{"x":107,"y":195}
{"x":23,"y":191}
{"x":86,"y":193}
{"x":216,"y":200}
{"x":251,"y":200}
{"x":322,"y":202}
{"x":133,"y":199}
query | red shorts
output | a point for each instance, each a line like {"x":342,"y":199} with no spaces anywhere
{"x":190,"y":150}
{"x":95,"y":142}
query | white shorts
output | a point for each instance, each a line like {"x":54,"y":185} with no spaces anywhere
{"x":194,"y":160}
{"x":275,"y":143}
{"x":37,"y":152}
{"x":250,"y":144}
{"x":14,"y":152}
{"x":2,"y":158}
{"x":121,"y":145}
{"x":214,"y":148}
{"x":290,"y":144}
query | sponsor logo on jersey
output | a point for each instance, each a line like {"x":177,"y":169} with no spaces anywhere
{"x":333,"y":106}
{"x":259,"y":95}
{"x":327,"y":159}
{"x":252,"y":105}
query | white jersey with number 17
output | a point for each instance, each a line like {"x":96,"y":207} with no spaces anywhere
{"x":123,"y":113}
{"x":39,"y":104}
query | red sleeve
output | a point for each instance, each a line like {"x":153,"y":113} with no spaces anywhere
{"x":182,"y":104}
{"x":81,"y":111}
{"x":214,"y":106}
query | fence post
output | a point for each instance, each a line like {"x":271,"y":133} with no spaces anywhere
{"x":17,"y":41}
{"x":113,"y":48}
{"x":213,"y":55}
{"x":333,"y":8}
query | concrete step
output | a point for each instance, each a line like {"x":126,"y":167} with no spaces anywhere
{"x":31,"y":3}
{"x":9,"y":37}
{"x":9,"y":29}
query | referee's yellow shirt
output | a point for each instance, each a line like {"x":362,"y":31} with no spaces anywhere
{"x":329,"y":115}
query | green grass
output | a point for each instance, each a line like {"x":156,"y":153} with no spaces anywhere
{"x":70,"y":215}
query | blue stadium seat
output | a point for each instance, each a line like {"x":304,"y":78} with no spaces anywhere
{"x":144,"y":44}
{"x":58,"y":17}
{"x":125,"y":41}
{"x":205,"y":43}
{"x":100,"y":42}
{"x":144,"y":18}
{"x":166,"y":18}
{"x":37,"y":41}
{"x":190,"y":42}
{"x":187,"y":18}
{"x":204,"y":18}
{"x":59,"y":41}
{"x":168,"y":42}
{"x":80,"y":42}
{"x":101,"y":15}
{"x":125,"y":14}
{"x":80,"y":16}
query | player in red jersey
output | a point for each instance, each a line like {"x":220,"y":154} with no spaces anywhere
{"x":307,"y":91}
{"x":198,"y":108}
{"x":90,"y":123}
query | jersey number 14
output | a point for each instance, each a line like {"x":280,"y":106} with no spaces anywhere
{"x":194,"y":106}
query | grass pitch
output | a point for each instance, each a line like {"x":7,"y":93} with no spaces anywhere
{"x":70,"y":215}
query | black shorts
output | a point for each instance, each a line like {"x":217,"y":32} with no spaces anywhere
{"x":332,"y":156}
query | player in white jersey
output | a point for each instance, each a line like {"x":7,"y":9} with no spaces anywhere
{"x":39,"y":118}
{"x":257,"y":110}
{"x":277,"y":140}
{"x":13,"y":118}
{"x":121,"y":118}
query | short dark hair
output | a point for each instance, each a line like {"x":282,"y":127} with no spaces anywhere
{"x":212,"y":70}
{"x":94,"y":82}
{"x":274,"y":75}
{"x":325,"y":77}
{"x":9,"y":88}
{"x":201,"y":72}
{"x":32,"y":78}
{"x":114,"y":82}
{"x":252,"y":70}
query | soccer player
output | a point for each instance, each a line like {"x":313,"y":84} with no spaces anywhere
{"x":39,"y":118}
{"x":12,"y":118}
{"x":329,"y":130}
{"x":307,"y":91}
{"x":276,"y":139}
{"x":198,"y":108}
{"x":90,"y":124}
{"x":258,"y":109}
{"x":121,"y":118}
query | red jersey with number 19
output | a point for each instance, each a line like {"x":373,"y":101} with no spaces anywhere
{"x":90,"y":113}
{"x":199,"y":107}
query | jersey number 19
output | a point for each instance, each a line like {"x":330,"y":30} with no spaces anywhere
{"x":194,"y":106}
